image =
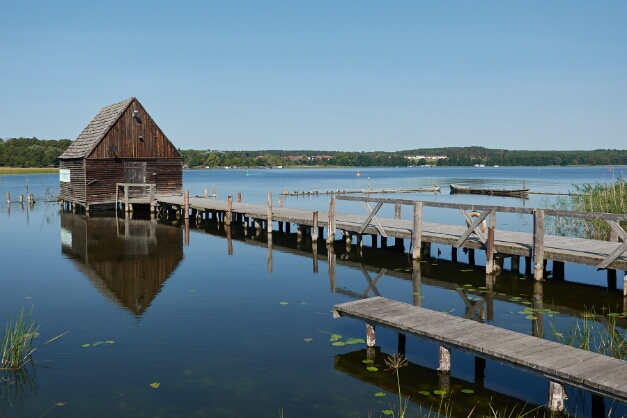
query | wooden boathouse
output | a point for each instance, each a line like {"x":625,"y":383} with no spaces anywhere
{"x":122,"y":151}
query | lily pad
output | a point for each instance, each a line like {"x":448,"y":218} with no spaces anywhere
{"x":467,"y":391}
{"x":439,"y":392}
{"x":531,"y":317}
{"x":367,"y":361}
{"x":109,"y":342}
{"x":282,"y":303}
{"x":97,"y":343}
{"x":614,"y":314}
{"x":338,"y":343}
{"x":387,"y":412}
{"x":526,"y":303}
{"x":352,"y":342}
{"x":86,"y":345}
{"x":459,"y":288}
{"x":192,"y":291}
{"x":155,"y":385}
{"x":379,"y":394}
{"x":307,"y":339}
{"x":372,"y":369}
{"x":424,"y":392}
{"x":468,"y":285}
{"x":434,"y":264}
{"x":335,"y":337}
{"x":466,"y":271}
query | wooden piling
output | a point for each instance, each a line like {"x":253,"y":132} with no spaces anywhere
{"x":331,"y":227}
{"x":280,"y":202}
{"x":417,"y":231}
{"x":269,"y":224}
{"x":370,"y":336}
{"x":314,"y":229}
{"x":21,"y":198}
{"x":557,"y":396}
{"x":213,"y":188}
{"x":490,"y":266}
{"x":206,"y":194}
{"x":186,"y":204}
{"x":416,"y":283}
{"x":239,"y":197}
{"x":444,"y":359}
{"x":8,"y":197}
{"x":229,"y":208}
{"x":538,"y":244}
{"x":397,"y":211}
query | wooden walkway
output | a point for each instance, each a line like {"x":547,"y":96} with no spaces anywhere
{"x":508,"y":243}
{"x":597,"y":373}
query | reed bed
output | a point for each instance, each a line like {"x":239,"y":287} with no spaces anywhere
{"x":607,"y":198}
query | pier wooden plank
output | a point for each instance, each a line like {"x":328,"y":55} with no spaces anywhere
{"x":597,"y":373}
{"x":563,"y":249}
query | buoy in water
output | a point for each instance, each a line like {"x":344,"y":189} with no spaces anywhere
{"x":358,"y":174}
{"x":247,"y":173}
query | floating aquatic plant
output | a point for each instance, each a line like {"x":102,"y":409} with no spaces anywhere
{"x":155,"y":385}
{"x":372,"y":369}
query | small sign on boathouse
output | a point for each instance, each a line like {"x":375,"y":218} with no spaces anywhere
{"x":64,"y":175}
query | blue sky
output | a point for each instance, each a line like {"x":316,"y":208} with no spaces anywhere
{"x":323,"y":75}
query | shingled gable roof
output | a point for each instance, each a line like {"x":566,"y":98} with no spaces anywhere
{"x":96,"y":130}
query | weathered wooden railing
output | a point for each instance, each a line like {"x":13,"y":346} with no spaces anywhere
{"x":475,"y":217}
{"x":127,"y":198}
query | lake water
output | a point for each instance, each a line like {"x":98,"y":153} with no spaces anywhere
{"x":229,"y":327}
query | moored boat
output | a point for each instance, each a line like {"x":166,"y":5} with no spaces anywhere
{"x":456,"y":188}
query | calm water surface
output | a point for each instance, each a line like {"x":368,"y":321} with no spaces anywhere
{"x":229,"y":327}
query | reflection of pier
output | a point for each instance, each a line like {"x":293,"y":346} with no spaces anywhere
{"x":417,"y":380}
{"x":569,"y":298}
{"x":127,"y":260}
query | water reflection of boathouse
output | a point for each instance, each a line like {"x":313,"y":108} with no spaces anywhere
{"x":126,"y":260}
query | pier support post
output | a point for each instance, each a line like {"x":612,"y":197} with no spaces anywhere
{"x":557,"y":396}
{"x":331,"y":227}
{"x":331,"y":260}
{"x":206,"y":194}
{"x":416,"y":283}
{"x":426,"y":250}
{"x":558,"y":270}
{"x":239,"y":197}
{"x":229,"y":207}
{"x":480,"y":364}
{"x":417,"y":231}
{"x":229,"y":240}
{"x":8,"y":198}
{"x":444,"y":359}
{"x":471,"y":256}
{"x":397,"y":211}
{"x":280,"y":202}
{"x":402,"y":339}
{"x":186,"y":204}
{"x":213,"y":189}
{"x":538,"y":244}
{"x":21,"y":198}
{"x":269,"y":223}
{"x":515,"y":263}
{"x":454,"y":254}
{"x":384,"y":242}
{"x":490,"y":266}
{"x":375,"y":240}
{"x":314,"y":249}
{"x":370,"y":336}
{"x":537,"y":325}
{"x":314,"y":229}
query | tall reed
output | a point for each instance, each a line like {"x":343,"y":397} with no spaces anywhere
{"x":607,"y":198}
{"x":16,"y":348}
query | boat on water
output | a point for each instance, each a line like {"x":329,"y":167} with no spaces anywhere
{"x":456,"y":188}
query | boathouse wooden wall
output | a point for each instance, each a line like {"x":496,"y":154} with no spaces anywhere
{"x":132,"y":137}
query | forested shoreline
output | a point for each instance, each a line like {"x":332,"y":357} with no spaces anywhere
{"x":33,"y":152}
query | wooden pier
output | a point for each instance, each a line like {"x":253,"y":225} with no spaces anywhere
{"x":561,"y":364}
{"x":537,"y":246}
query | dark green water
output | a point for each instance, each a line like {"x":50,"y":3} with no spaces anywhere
{"x":229,"y":327}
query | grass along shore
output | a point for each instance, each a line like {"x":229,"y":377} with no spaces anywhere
{"x":8,"y":171}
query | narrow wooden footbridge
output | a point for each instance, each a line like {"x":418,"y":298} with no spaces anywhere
{"x":537,"y":247}
{"x":561,"y":364}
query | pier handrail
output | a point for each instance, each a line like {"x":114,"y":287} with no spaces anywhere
{"x":506,"y":209}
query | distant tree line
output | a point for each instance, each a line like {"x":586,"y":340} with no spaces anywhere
{"x":31,"y":152}
{"x":459,"y":156}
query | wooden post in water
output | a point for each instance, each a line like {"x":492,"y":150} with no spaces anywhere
{"x":331,"y":227}
{"x":8,"y":197}
{"x":270,"y":252}
{"x":331,"y":259}
{"x":229,"y":240}
{"x":280,"y":202}
{"x":538,"y":244}
{"x":397,"y":211}
{"x":314,"y":229}
{"x":515,"y":263}
{"x":416,"y":283}
{"x":229,"y":208}
{"x":213,"y":189}
{"x":402,"y":338}
{"x":269,"y":223}
{"x":239,"y":197}
{"x":186,"y":243}
{"x":21,"y":198}
{"x":537,"y":325}
{"x":454,"y":254}
{"x":186,"y":204}
{"x":370,"y":336}
{"x":557,"y":396}
{"x":206,"y":194}
{"x":490,"y":265}
{"x":417,"y":231}
{"x":314,"y":249}
{"x":444,"y":359}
